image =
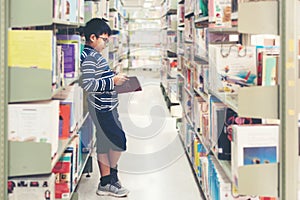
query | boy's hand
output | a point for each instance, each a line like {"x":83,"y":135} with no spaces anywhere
{"x":120,"y":79}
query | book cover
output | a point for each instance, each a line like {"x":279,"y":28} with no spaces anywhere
{"x":216,"y":106}
{"x":259,"y":155}
{"x":81,"y":11}
{"x":234,"y":6}
{"x":64,"y":10}
{"x":231,"y":67}
{"x":259,"y":66}
{"x":69,"y":60}
{"x":131,"y":85}
{"x":203,"y":8}
{"x":56,"y":9}
{"x":205,"y":78}
{"x":219,"y":12}
{"x":270,"y":70}
{"x":197,"y":112}
{"x":57,"y":72}
{"x":73,"y":11}
{"x":62,"y":169}
{"x":220,"y":185}
{"x":64,"y":114}
{"x":196,"y":155}
{"x":38,"y":122}
{"x":72,"y":95}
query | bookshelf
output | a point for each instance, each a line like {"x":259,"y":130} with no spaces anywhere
{"x":169,"y":21}
{"x":286,"y":107}
{"x":27,"y":164}
{"x":30,"y":161}
{"x":197,"y":30}
{"x":119,"y":41}
{"x":144,"y":53}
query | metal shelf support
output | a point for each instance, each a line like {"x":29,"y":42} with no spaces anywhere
{"x":288,"y":170}
{"x":3,"y":98}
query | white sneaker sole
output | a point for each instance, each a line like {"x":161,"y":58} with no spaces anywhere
{"x":106,"y":193}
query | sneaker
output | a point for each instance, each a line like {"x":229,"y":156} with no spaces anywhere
{"x":113,"y":189}
{"x":117,"y":183}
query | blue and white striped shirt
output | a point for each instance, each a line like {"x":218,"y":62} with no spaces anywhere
{"x":97,"y":80}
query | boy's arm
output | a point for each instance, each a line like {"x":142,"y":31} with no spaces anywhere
{"x":90,"y":69}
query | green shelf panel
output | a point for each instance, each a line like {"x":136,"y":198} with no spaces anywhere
{"x":31,"y":13}
{"x":259,"y":102}
{"x":29,"y":158}
{"x":265,"y":20}
{"x":29,"y":84}
{"x":261,"y":180}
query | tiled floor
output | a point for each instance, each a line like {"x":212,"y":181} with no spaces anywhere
{"x":154,"y":167}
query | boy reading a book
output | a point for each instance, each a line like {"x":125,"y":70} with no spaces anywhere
{"x":99,"y":81}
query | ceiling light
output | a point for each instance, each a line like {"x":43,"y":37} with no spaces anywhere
{"x":147,"y":4}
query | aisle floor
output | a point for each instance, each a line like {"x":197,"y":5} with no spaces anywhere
{"x":155,"y":166}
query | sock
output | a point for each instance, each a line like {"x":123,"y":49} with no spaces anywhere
{"x":105,"y":180}
{"x":114,"y":174}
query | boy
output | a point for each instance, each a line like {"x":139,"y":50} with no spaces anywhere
{"x":98,"y":80}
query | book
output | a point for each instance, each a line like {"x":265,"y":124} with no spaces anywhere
{"x":70,"y":60}
{"x":131,"y":85}
{"x":231,"y":67}
{"x":65,"y":117}
{"x":219,"y":12}
{"x":270,"y":70}
{"x":72,"y":47}
{"x":37,"y":122}
{"x":253,"y":144}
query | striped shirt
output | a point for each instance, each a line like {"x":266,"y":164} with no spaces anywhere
{"x":97,"y":80}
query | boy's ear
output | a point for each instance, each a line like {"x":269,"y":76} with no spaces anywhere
{"x":93,"y":38}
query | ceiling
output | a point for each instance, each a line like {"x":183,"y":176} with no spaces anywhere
{"x":143,"y":8}
{"x":133,"y":4}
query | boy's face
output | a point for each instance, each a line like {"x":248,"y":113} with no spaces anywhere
{"x":99,"y":42}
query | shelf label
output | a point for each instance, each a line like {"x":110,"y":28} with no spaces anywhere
{"x":291,"y":112}
{"x":290,"y":65}
{"x":291,"y":83}
{"x":291,"y":45}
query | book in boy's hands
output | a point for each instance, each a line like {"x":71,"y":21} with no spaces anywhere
{"x":131,"y":85}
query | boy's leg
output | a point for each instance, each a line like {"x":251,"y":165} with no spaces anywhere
{"x":109,"y":185}
{"x":104,"y":165}
{"x":104,"y":168}
{"x":114,"y":157}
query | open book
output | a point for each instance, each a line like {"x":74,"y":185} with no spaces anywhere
{"x":131,"y":85}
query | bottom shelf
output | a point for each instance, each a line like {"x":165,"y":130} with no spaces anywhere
{"x":214,"y":176}
{"x":85,"y":158}
{"x":22,"y":158}
{"x":193,"y":169}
